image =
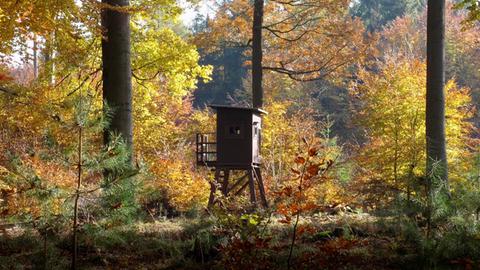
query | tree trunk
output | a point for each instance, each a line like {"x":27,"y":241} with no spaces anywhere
{"x":35,"y":57}
{"x":257,"y":54}
{"x":117,"y":84}
{"x":435,"y":110}
{"x":77,"y":197}
{"x":47,"y":57}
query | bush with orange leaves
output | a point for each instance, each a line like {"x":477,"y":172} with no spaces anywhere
{"x":249,"y":240}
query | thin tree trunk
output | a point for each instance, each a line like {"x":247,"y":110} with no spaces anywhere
{"x":35,"y":57}
{"x":435,"y":107}
{"x":117,"y":84}
{"x":45,"y":249}
{"x":47,"y":52}
{"x":77,"y":197}
{"x":257,"y":54}
{"x":395,"y":161}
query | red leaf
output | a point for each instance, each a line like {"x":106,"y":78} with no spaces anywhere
{"x":313,"y":169}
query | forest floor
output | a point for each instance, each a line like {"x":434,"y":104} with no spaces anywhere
{"x":340,"y":241}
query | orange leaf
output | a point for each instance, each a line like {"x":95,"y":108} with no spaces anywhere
{"x":294,"y":208}
{"x":299,"y":160}
{"x":5,"y":77}
{"x":310,"y":206}
{"x":301,"y":230}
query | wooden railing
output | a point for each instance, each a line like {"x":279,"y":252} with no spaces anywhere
{"x":206,"y":149}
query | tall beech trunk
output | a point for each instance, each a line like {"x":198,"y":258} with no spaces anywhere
{"x":435,"y":110}
{"x":257,"y":54}
{"x":117,"y":78}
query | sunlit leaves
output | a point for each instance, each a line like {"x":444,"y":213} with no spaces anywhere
{"x":165,"y":70}
{"x":473,"y":7}
{"x":391,"y":107}
{"x":304,"y":40}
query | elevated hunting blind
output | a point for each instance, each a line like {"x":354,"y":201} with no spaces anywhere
{"x":235,"y":146}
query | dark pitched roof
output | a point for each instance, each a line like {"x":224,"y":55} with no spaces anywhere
{"x":257,"y":110}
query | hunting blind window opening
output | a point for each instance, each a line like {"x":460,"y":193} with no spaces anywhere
{"x":235,"y":131}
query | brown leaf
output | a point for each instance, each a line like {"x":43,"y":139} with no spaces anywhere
{"x":288,"y":191}
{"x":329,"y":163}
{"x":313,"y":152}
{"x":117,"y":205}
{"x":284,"y":221}
{"x":307,"y":177}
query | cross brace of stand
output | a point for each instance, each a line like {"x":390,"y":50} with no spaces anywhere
{"x":251,"y":179}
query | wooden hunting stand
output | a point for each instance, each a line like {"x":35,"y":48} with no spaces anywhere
{"x":234,"y":147}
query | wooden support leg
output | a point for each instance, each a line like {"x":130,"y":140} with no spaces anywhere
{"x":251,"y":183}
{"x":221,"y":182}
{"x":261,"y":188}
{"x":211,"y":199}
{"x":226,"y":174}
